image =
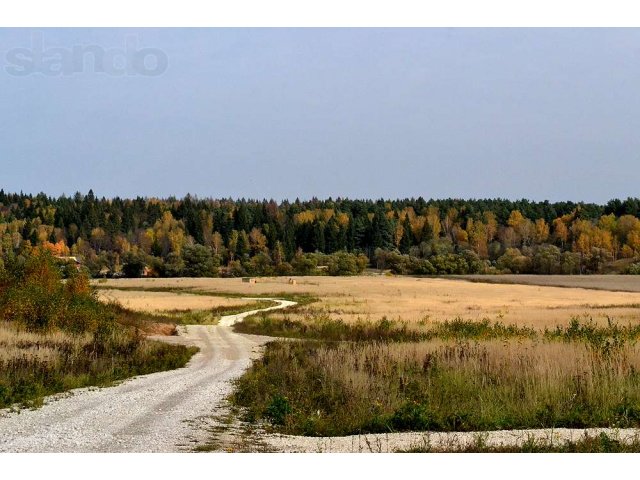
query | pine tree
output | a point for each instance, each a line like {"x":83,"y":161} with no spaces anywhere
{"x":382,"y":233}
{"x":407,"y":237}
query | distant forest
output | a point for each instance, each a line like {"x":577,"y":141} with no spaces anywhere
{"x":206,"y":237}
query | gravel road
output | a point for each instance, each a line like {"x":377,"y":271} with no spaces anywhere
{"x":160,"y":412}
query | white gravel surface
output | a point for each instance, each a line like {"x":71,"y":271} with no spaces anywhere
{"x":160,"y":412}
{"x":393,"y":442}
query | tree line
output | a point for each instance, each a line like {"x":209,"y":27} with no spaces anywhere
{"x":193,"y":236}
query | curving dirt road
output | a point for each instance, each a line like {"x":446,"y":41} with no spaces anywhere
{"x":160,"y":412}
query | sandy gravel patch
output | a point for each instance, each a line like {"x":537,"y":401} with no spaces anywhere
{"x":393,"y":442}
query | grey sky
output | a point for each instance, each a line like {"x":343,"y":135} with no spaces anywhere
{"x":285,"y":113}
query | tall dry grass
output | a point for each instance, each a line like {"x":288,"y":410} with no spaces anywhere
{"x":320,"y":388}
{"x":33,"y":365}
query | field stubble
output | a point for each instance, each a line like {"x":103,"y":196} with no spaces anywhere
{"x":369,"y":298}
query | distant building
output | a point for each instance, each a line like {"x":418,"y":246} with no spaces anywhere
{"x":70,"y":261}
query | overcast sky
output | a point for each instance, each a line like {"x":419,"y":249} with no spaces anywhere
{"x":360,"y":113}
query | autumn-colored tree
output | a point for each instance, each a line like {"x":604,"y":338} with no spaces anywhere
{"x":169,"y":234}
{"x":633,"y":240}
{"x":491,"y":225}
{"x":522,"y":226}
{"x":450,"y":221}
{"x":477,"y":233}
{"x":58,"y":249}
{"x":459,"y":235}
{"x":121,"y":244}
{"x":433,"y":221}
{"x":99,"y":239}
{"x":43,"y":232}
{"x":627,"y":224}
{"x":508,"y":237}
{"x":217,"y":243}
{"x":515,"y":219}
{"x":102,"y":231}
{"x":541,"y":233}
{"x":627,"y":252}
{"x":206,"y":222}
{"x":608,"y":222}
{"x":232,"y":244}
{"x":257,"y":241}
{"x":560,"y":231}
{"x":304,"y":217}
{"x":342,"y":219}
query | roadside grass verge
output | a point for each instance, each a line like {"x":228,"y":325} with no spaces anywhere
{"x":454,"y":376}
{"x":144,"y":322}
{"x":34,"y":365}
{"x":212,"y":316}
{"x":322,"y":326}
{"x":602,"y":443}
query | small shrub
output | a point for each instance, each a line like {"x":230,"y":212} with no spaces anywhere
{"x":278,"y":409}
{"x":411,"y":416}
{"x":634,"y":269}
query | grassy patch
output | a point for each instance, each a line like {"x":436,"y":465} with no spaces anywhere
{"x":324,"y":327}
{"x":33,"y":365}
{"x":602,"y":443}
{"x":212,"y":316}
{"x":460,"y":377}
{"x":142,"y":321}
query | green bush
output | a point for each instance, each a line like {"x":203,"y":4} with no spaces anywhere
{"x":199,"y":261}
{"x":93,"y":349}
{"x":634,"y":269}
{"x":33,"y":295}
{"x":278,"y":409}
{"x":411,"y":416}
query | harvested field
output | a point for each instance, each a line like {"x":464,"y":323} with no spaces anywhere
{"x":157,"y":302}
{"x":430,"y":299}
{"x":615,"y":283}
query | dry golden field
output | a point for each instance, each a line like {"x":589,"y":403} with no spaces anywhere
{"x":618,"y":283}
{"x":158,"y":302}
{"x":414,"y":299}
